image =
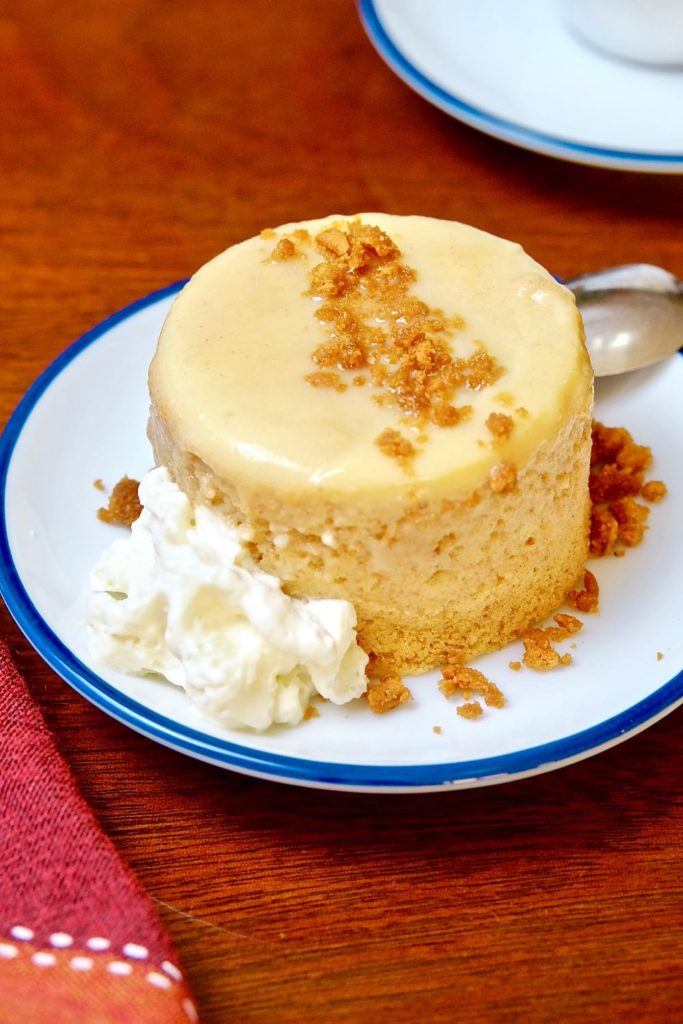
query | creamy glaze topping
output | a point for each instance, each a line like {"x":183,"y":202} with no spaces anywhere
{"x":230,"y":374}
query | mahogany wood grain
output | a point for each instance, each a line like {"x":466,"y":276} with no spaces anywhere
{"x":137,"y":139}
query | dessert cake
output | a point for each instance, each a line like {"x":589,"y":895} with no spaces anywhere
{"x":396,"y":411}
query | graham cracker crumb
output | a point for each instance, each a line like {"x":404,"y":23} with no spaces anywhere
{"x":618,"y":466}
{"x":374,"y":323}
{"x":480,"y":370}
{"x":284,"y":250}
{"x":567,"y":625}
{"x":396,"y":446}
{"x":503,"y":478}
{"x":124,"y":504}
{"x":325,"y":380}
{"x":608,"y":442}
{"x":634,"y":458}
{"x":311,"y":712}
{"x":604,"y":531}
{"x":334,"y":241}
{"x":538,"y":652}
{"x":630,"y":518}
{"x":612,"y":483}
{"x":471,"y":710}
{"x":500,"y":425}
{"x":460,"y":679}
{"x":388,"y":694}
{"x":654,"y":490}
{"x":586,"y":600}
{"x":568,"y":622}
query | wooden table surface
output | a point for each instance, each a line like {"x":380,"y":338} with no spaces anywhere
{"x":138,"y":139}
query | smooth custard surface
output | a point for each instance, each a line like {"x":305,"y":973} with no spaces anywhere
{"x":229,"y":376}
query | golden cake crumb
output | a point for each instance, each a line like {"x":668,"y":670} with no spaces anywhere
{"x":311,"y":712}
{"x":325,"y":380}
{"x":659,"y":655}
{"x":396,"y":446}
{"x":437,"y":729}
{"x":500,"y":425}
{"x":503,"y":478}
{"x":515,"y":665}
{"x":124,"y":504}
{"x":466,"y":681}
{"x":380,"y":667}
{"x":268,"y":234}
{"x":99,"y":485}
{"x":654,"y":490}
{"x":388,"y":694}
{"x":585,"y":600}
{"x":471,"y":710}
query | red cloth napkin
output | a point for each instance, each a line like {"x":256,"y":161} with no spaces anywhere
{"x":79,"y":938}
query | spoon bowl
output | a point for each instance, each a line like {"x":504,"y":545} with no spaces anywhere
{"x":633,"y":316}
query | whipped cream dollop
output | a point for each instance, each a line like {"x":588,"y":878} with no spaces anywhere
{"x":181,"y":597}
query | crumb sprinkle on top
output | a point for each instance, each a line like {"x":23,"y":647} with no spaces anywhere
{"x":396,"y":446}
{"x":500,"y":425}
{"x":373,"y":323}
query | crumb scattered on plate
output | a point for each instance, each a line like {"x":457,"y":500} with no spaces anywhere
{"x":471,"y":710}
{"x":124,"y":504}
{"x":387,"y":694}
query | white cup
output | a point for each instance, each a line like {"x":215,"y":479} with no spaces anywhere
{"x":648,"y":31}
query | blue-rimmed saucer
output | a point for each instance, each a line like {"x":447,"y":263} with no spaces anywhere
{"x":515,"y":72}
{"x":84,"y":419}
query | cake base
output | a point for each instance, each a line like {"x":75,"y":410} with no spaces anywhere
{"x":432,"y":581}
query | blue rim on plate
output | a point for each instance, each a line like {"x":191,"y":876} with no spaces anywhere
{"x":500,"y":127}
{"x":248,"y":759}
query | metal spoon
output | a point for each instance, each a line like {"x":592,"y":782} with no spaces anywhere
{"x":633,"y":316}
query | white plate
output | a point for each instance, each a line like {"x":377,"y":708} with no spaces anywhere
{"x":514,"y":71}
{"x":85,"y":418}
